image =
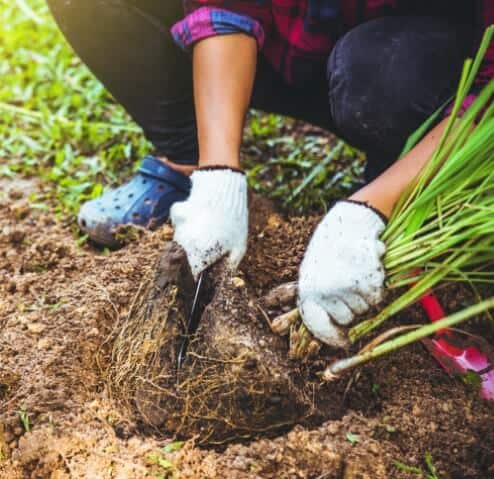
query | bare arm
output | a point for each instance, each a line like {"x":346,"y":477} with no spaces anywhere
{"x":224,"y":68}
{"x":224,"y":71}
{"x":385,"y":190}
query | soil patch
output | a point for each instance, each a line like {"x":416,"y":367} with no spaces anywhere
{"x":59,"y":304}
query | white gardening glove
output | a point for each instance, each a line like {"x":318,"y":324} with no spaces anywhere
{"x":341,"y":275}
{"x":213,"y":221}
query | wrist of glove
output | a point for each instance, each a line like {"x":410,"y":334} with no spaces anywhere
{"x":341,"y":275}
{"x":213,"y":222}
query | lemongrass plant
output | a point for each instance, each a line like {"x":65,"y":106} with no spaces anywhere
{"x":376,"y":349}
{"x":442,"y":228}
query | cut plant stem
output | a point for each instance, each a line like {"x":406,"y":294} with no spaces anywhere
{"x":335,"y":370}
{"x":281,"y":324}
{"x":303,"y":345}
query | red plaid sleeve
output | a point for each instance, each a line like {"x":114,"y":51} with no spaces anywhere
{"x":206,"y":18}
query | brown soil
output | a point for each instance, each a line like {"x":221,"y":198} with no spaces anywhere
{"x":59,"y":304}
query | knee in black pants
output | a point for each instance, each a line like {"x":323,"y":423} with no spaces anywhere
{"x":387,"y":76}
{"x":127,"y":45}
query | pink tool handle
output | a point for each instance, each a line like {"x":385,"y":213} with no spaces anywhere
{"x":453,"y":358}
{"x":433,"y":309}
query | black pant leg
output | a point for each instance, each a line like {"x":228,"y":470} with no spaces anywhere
{"x":127,"y":45}
{"x":387,"y":76}
{"x":308,"y":102}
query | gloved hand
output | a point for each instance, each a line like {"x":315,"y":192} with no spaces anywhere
{"x":341,"y":275}
{"x":213,"y":221}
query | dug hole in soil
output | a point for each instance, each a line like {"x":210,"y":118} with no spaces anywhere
{"x":88,"y":387}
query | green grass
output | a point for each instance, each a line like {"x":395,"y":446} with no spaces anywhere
{"x":25,"y":421}
{"x":430,"y":473}
{"x":59,"y":124}
{"x":303,"y":168}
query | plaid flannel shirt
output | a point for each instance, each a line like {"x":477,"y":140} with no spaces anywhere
{"x":296,"y":36}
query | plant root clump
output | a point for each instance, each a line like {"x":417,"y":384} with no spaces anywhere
{"x":237,"y":380}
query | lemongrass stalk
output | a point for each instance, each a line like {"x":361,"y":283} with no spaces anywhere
{"x":468,"y":74}
{"x":426,"y":282}
{"x":444,"y":244}
{"x":480,"y":222}
{"x":471,"y":115}
{"x":434,"y":226}
{"x":423,"y":129}
{"x":456,"y":276}
{"x":447,"y":205}
{"x":336,"y":369}
{"x":437,"y":257}
{"x":407,"y":255}
{"x":476,"y":142}
{"x":480,"y":142}
{"x":440,"y":244}
{"x":449,"y":202}
{"x":409,"y":297}
{"x":412,"y":190}
{"x":472,"y":279}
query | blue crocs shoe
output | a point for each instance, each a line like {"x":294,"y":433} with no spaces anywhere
{"x":144,"y":201}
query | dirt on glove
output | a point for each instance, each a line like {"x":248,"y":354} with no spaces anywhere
{"x":63,"y":307}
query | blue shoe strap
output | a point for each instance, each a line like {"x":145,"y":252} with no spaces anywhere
{"x":151,"y":166}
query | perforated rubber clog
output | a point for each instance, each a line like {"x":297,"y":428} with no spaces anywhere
{"x":145,"y":201}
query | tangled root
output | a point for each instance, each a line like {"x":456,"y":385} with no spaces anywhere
{"x":237,"y":380}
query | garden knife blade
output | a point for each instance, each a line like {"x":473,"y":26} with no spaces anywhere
{"x":193,"y":320}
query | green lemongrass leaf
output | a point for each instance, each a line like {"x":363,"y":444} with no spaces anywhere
{"x":440,"y":213}
{"x":474,"y":279}
{"x":423,"y":129}
{"x":418,"y":219}
{"x":461,"y":132}
{"x":479,"y":57}
{"x":465,"y":222}
{"x":466,"y":274}
{"x":427,"y":281}
{"x":422,"y":178}
{"x":480,"y":146}
{"x":469,"y":72}
{"x":346,"y":364}
{"x":451,"y":206}
{"x":478,"y":138}
{"x":427,"y":233}
{"x":477,"y":114}
{"x":441,"y":241}
{"x":427,"y":258}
